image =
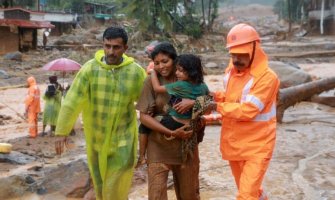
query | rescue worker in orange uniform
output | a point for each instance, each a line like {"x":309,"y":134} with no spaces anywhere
{"x":33,"y":107}
{"x":248,"y":108}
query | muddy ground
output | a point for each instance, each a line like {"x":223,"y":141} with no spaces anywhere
{"x":302,"y":167}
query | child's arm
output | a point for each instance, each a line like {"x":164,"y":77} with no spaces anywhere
{"x":156,"y":84}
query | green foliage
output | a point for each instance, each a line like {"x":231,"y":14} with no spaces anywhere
{"x":193,"y":30}
{"x":282,"y":8}
{"x":140,"y":9}
{"x":209,"y":12}
{"x":164,"y":15}
{"x":183,"y":16}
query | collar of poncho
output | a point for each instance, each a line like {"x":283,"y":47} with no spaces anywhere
{"x":100,"y":54}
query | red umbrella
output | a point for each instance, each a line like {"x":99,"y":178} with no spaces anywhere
{"x":62,"y":64}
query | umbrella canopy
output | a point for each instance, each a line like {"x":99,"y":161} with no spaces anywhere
{"x":62,"y":64}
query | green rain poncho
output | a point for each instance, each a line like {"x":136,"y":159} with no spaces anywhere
{"x":106,"y":95}
{"x":51,"y":108}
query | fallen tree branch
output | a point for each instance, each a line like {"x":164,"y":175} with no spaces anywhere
{"x":13,"y":86}
{"x":302,"y":54}
{"x":289,"y":96}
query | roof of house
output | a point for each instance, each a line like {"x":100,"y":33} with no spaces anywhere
{"x":26,"y":23}
{"x":22,"y":9}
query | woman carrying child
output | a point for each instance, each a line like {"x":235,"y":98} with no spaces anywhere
{"x":165,"y":140}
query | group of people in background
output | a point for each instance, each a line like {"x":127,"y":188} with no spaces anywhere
{"x":171,"y":97}
{"x":52,"y":102}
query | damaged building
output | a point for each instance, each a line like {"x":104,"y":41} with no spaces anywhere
{"x":18,"y":29}
{"x":321,"y":16}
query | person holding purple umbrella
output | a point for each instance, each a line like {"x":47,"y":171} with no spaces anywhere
{"x":52,"y":99}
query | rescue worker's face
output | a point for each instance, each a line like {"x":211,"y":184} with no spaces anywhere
{"x":163,"y":64}
{"x":114,"y":49}
{"x":241,"y":61}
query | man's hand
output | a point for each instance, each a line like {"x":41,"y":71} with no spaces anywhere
{"x":60,"y":143}
{"x":184,"y":106}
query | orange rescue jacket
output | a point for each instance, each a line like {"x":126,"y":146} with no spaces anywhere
{"x":32,"y":100}
{"x":248,"y":108}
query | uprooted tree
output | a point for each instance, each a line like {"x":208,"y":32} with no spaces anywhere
{"x":290,"y":96}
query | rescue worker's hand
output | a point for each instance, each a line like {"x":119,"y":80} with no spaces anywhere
{"x":184,"y":106}
{"x":60,"y":143}
{"x":183,"y":132}
{"x":202,"y":121}
{"x":211,"y":107}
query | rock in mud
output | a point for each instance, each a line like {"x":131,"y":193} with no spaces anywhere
{"x":4,"y":74}
{"x":16,"y":158}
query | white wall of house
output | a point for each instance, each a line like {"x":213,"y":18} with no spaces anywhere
{"x":316,"y":14}
{"x":36,"y":17}
{"x":59,"y":17}
{"x":54,"y":17}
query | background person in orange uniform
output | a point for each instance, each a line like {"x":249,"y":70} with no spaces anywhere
{"x":248,"y":108}
{"x":33,"y":106}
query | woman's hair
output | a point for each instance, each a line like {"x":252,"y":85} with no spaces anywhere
{"x":192,"y":65}
{"x":165,"y":48}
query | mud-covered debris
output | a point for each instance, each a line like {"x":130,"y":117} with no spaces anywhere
{"x":4,"y":74}
{"x":16,"y":158}
{"x":13,"y":56}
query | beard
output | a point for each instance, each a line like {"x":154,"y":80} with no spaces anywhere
{"x":238,"y":64}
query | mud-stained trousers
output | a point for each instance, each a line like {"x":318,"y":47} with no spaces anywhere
{"x":248,"y":176}
{"x":185,"y":179}
{"x":32,"y":121}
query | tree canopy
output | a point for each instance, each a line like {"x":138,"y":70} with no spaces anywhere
{"x":192,"y":17}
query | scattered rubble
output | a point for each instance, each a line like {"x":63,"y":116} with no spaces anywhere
{"x":33,"y":168}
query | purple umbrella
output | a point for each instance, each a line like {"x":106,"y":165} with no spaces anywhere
{"x":63,"y":65}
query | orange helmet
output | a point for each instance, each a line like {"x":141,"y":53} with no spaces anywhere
{"x":241,"y":34}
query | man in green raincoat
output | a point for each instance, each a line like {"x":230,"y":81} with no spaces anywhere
{"x":105,"y":89}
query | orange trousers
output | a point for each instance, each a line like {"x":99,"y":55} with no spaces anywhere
{"x":248,"y":176}
{"x":32,"y":121}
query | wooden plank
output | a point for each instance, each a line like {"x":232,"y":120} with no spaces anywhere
{"x":302,"y":54}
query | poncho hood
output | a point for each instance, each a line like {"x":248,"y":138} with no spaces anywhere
{"x":31,"y":81}
{"x":100,"y":54}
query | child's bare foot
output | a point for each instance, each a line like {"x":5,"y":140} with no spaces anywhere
{"x":141,"y":161}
